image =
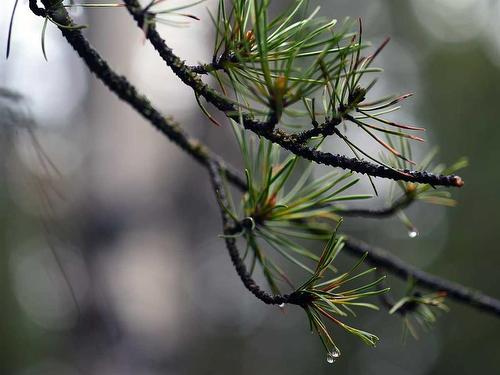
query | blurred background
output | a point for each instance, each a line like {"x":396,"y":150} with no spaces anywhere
{"x":133,"y":223}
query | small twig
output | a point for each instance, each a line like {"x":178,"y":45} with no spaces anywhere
{"x":323,"y":129}
{"x":393,"y":209}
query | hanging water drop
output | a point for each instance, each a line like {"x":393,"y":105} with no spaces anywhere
{"x":335,"y":353}
{"x":413,"y":233}
{"x":332,"y":356}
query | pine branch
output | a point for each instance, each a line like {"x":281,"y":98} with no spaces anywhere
{"x":125,"y":91}
{"x":266,"y":129}
{"x":375,"y":256}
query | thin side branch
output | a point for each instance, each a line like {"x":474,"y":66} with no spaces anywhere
{"x":400,"y":204}
{"x":234,"y":253}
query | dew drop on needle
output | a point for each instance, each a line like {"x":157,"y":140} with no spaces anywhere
{"x":413,"y":233}
{"x":332,"y":356}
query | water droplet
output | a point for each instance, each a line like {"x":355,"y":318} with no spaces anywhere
{"x":413,"y":233}
{"x":281,"y":305}
{"x":332,"y":356}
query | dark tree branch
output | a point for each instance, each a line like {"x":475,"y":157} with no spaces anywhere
{"x":379,"y":213}
{"x":382,"y":258}
{"x":36,"y":9}
{"x":123,"y":89}
{"x":205,"y":68}
{"x":287,"y":141}
{"x":357,"y":165}
{"x":239,"y":265}
{"x":202,"y":68}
